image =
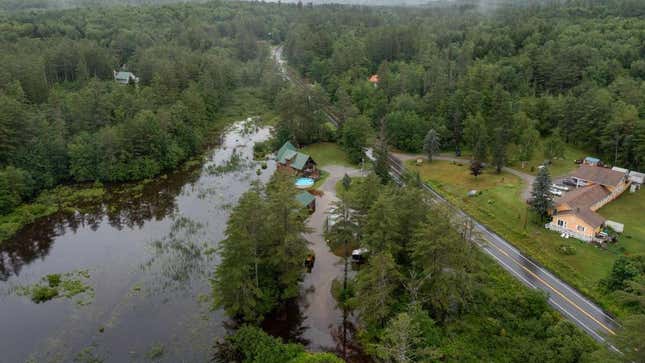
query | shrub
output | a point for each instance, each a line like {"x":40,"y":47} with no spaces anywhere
{"x":41,"y":294}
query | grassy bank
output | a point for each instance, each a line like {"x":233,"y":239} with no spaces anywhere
{"x":48,"y":202}
{"x":500,"y":207}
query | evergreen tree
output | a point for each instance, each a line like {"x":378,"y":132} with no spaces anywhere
{"x":431,"y":143}
{"x":499,"y":149}
{"x":382,"y":163}
{"x":554,"y":146}
{"x":238,"y":286}
{"x":375,"y":287}
{"x":541,"y":198}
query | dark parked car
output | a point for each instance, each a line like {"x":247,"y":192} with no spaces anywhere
{"x":569,"y":182}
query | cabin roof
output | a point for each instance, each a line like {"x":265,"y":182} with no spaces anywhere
{"x":305,"y":198}
{"x":289,"y":153}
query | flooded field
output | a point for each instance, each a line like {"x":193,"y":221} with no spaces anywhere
{"x":145,"y":256}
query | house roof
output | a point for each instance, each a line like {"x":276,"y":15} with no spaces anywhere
{"x":288,"y":152}
{"x":599,"y":175}
{"x":300,"y":161}
{"x":125,"y":75}
{"x":305,"y":198}
{"x":583,"y":198}
{"x":588,"y":216}
{"x":282,"y":153}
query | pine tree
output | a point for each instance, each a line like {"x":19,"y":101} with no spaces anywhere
{"x":431,"y":143}
{"x":375,"y":287}
{"x":541,"y":198}
{"x":381,"y":164}
{"x":499,"y":149}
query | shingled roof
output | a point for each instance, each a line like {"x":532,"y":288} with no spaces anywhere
{"x":599,"y":175}
{"x":579,"y":202}
{"x":583,"y":198}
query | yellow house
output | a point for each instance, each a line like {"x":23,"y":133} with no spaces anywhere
{"x":575,"y":212}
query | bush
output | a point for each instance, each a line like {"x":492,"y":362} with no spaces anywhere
{"x":262,"y":149}
{"x":53,"y":280}
{"x":41,"y":294}
{"x":567,"y":250}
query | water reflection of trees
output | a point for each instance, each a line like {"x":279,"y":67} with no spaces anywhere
{"x":123,"y":207}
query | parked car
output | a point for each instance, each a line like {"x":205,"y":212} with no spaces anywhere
{"x":360,"y":255}
{"x":555,"y":192}
{"x":578,"y":161}
{"x":560,"y":187}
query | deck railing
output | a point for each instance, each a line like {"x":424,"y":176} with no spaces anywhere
{"x":554,"y":227}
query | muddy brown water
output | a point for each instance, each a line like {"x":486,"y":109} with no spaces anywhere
{"x":149,"y":254}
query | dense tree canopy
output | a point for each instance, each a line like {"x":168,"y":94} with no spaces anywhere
{"x":64,"y":118}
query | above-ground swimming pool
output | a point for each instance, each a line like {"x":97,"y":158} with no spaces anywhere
{"x":304,"y":183}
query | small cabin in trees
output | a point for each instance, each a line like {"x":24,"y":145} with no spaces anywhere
{"x":124,"y":77}
{"x":292,"y":160}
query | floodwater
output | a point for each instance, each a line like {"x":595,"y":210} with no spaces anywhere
{"x":149,"y":254}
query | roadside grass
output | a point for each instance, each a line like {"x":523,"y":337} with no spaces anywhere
{"x":327,"y":153}
{"x":500,"y":207}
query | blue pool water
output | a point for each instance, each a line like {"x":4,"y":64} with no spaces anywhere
{"x":304,"y":183}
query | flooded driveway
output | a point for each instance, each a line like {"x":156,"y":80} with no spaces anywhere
{"x":149,"y":252}
{"x":322,"y":317}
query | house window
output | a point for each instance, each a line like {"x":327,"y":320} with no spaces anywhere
{"x":562,"y":223}
{"x":581,"y":228}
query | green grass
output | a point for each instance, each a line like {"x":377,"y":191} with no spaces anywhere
{"x":558,"y":167}
{"x":327,"y":153}
{"x":500,"y":207}
{"x":629,"y":209}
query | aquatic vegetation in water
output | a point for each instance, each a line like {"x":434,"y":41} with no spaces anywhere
{"x":88,"y":355}
{"x":235,"y":163}
{"x":178,"y":257}
{"x":68,"y":285}
{"x":155,"y":352}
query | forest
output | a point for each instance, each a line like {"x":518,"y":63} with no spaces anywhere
{"x":64,"y":119}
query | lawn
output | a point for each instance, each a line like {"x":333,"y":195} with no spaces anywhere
{"x":558,"y":167}
{"x":629,"y":209}
{"x":327,"y":153}
{"x":500,"y":207}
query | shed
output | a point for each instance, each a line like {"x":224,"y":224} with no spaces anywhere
{"x":307,"y":200}
{"x":622,"y":170}
{"x":124,"y":77}
{"x":636,"y":177}
{"x":591,"y":161}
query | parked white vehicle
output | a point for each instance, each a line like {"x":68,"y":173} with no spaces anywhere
{"x":560,"y":187}
{"x":555,"y":192}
